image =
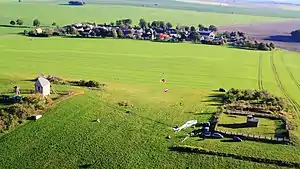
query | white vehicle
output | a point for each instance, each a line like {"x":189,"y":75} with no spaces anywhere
{"x":186,"y":125}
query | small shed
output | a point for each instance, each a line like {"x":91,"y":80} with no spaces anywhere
{"x":36,"y":117}
{"x":38,"y":30}
{"x":252,"y":121}
{"x":42,"y":86}
{"x":208,"y":34}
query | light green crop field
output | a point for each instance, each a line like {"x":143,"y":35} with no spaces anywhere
{"x":235,"y":123}
{"x":64,"y":14}
{"x":68,"y":137}
{"x":132,"y":69}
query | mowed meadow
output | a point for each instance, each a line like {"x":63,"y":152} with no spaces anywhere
{"x":132,"y":70}
{"x":64,"y":14}
{"x":68,"y":136}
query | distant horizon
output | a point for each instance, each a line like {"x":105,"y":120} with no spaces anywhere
{"x":276,"y":1}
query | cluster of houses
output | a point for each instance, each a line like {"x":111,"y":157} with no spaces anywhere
{"x":91,"y":30}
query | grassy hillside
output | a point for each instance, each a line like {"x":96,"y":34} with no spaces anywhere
{"x":106,"y":13}
{"x":67,"y":137}
{"x":67,"y":134}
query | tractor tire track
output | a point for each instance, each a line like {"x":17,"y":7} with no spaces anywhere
{"x":290,"y":73}
{"x":293,"y":103}
{"x":259,"y":76}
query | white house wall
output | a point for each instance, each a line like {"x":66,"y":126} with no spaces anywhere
{"x":46,"y":90}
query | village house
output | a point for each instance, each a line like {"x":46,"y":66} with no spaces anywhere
{"x":38,"y":30}
{"x":42,"y":86}
{"x":207,"y":35}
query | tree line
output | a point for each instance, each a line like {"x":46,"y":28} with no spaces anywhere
{"x":238,"y":39}
{"x":246,"y":44}
{"x":296,"y":34}
{"x":253,"y":98}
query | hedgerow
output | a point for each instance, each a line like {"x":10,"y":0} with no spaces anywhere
{"x":253,"y":100}
{"x":16,"y":113}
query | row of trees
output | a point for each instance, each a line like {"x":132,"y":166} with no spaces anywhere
{"x":17,"y":22}
{"x":246,"y":44}
{"x":35,"y":22}
{"x":253,"y":98}
{"x":127,"y":23}
{"x":296,"y":34}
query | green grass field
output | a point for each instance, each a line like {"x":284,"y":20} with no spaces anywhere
{"x":132,"y":69}
{"x":106,"y":13}
{"x":234,"y":123}
{"x":68,"y":137}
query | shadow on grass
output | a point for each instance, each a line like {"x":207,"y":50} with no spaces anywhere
{"x":165,"y":42}
{"x":282,"y":38}
{"x":14,"y":26}
{"x":216,"y":99}
{"x":85,"y":165}
{"x":229,"y":141}
{"x":79,"y":37}
{"x":236,"y":125}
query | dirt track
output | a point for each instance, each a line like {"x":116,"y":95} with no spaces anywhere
{"x":277,"y":32}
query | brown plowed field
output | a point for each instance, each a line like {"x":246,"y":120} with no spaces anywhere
{"x":276,"y":32}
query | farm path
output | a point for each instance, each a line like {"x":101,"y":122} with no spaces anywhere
{"x":290,"y":73}
{"x":276,"y":32}
{"x":293,"y":103}
{"x":259,"y":78}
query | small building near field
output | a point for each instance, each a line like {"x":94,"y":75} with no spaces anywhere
{"x":36,"y":117}
{"x":252,"y":121}
{"x":38,"y":30}
{"x":207,"y":34}
{"x":42,"y":86}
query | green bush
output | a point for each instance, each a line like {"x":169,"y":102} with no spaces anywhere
{"x":253,"y":98}
{"x":37,"y":101}
{"x":21,"y":111}
{"x":90,"y":83}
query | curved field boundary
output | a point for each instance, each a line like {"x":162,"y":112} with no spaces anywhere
{"x":50,"y":105}
{"x":293,"y":103}
{"x":259,"y":76}
{"x":290,"y":73}
{"x":199,"y":150}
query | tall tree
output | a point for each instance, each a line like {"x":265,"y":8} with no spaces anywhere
{"x":155,"y":24}
{"x":169,"y":25}
{"x":193,"y":29}
{"x":162,"y":24}
{"x":36,"y":22}
{"x":118,"y":22}
{"x":149,"y":25}
{"x":120,"y":33}
{"x":187,"y":28}
{"x":19,"y":22}
{"x":122,"y":25}
{"x":195,"y":37}
{"x":12,"y":22}
{"x":272,"y":45}
{"x":201,"y":27}
{"x":143,"y":23}
{"x":212,"y":28}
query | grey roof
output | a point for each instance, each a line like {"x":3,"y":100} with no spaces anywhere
{"x":42,"y":81}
